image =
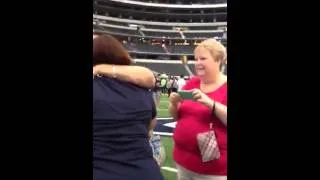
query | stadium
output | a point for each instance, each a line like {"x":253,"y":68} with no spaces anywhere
{"x":161,"y":35}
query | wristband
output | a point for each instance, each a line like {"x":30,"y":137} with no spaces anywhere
{"x":213,"y":108}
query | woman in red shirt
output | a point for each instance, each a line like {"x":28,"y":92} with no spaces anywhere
{"x":209,"y":105}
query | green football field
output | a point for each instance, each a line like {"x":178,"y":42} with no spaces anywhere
{"x":163,"y":107}
{"x":167,"y":142}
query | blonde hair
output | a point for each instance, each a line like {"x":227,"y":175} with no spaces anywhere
{"x":216,"y":49}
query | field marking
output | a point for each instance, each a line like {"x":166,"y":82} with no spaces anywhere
{"x":162,"y":109}
{"x":171,"y":124}
{"x":169,"y":169}
{"x":162,"y":133}
{"x":165,"y":118}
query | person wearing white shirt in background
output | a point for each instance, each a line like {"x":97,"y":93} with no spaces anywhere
{"x":181,"y":82}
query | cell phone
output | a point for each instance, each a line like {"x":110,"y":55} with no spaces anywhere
{"x":185,"y":94}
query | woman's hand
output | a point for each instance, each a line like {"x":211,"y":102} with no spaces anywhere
{"x":174,"y":98}
{"x":95,"y":71}
{"x":220,"y":110}
{"x":174,"y":101}
{"x":202,"y":98}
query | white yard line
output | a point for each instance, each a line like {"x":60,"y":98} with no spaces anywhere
{"x":166,"y":118}
{"x":169,"y":169}
{"x":163,"y":133}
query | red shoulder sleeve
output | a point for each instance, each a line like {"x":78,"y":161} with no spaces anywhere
{"x":225,"y":92}
{"x":194,"y":82}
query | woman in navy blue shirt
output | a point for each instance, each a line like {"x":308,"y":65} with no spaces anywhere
{"x":122,"y":113}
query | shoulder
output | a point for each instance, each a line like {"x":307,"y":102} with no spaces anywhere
{"x":225,"y":85}
{"x":194,"y":82}
{"x":223,"y":93}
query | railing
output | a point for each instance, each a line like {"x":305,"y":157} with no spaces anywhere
{"x":178,"y":6}
{"x":173,"y":24}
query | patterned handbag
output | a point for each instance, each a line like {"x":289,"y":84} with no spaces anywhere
{"x":208,"y":145}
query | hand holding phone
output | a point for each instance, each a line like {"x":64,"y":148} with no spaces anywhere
{"x":186,"y":94}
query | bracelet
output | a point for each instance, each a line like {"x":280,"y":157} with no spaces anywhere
{"x":213,"y":108}
{"x":114,"y":74}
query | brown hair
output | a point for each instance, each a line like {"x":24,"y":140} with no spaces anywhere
{"x":108,"y":50}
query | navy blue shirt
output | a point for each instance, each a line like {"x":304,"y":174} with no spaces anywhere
{"x":121,"y":115}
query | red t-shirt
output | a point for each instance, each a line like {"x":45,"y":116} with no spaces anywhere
{"x":193,"y":119}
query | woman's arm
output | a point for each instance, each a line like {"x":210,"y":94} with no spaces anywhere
{"x":152,"y":124}
{"x":174,"y":103}
{"x":138,"y":75}
{"x":173,"y":110}
{"x":220,"y":110}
